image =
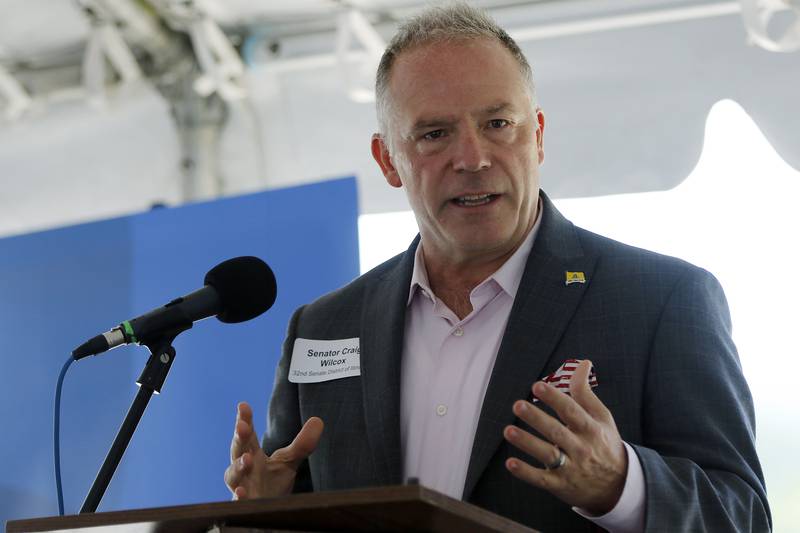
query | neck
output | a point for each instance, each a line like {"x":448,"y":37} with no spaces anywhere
{"x":452,"y":279}
{"x":451,"y":274}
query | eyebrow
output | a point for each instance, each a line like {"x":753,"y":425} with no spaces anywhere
{"x":433,"y":122}
{"x":438,"y":122}
{"x":503,"y":106}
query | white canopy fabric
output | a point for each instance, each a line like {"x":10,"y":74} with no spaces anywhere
{"x":627,"y":108}
{"x":626,"y":88}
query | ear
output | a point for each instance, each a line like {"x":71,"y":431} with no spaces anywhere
{"x":540,"y":134}
{"x":381,"y":154}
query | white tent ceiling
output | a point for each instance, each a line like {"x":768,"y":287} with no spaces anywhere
{"x":626,"y":87}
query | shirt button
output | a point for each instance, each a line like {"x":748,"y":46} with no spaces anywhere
{"x":458,"y":332}
{"x":441,"y":409}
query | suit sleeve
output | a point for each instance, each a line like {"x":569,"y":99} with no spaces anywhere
{"x":699,"y":459}
{"x":284,"y":419}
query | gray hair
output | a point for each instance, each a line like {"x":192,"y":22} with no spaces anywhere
{"x":457,"y":20}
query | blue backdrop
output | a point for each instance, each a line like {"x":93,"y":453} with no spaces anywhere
{"x":57,"y":288}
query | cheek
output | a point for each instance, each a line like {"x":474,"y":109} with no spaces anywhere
{"x":404,"y":169}
{"x":432,"y":149}
{"x":419,"y":176}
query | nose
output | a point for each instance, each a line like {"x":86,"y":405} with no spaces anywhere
{"x":470,"y":153}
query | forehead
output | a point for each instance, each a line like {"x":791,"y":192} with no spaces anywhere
{"x":455,"y":77}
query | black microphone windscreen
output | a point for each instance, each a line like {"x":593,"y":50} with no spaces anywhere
{"x":246,"y":287}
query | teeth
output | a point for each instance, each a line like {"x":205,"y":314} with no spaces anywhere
{"x":474,"y":199}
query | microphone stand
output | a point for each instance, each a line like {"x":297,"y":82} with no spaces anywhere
{"x":152,"y":378}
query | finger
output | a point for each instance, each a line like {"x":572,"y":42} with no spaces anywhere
{"x":544,"y":451}
{"x":582,"y":392}
{"x":244,"y":436}
{"x":544,"y":479}
{"x":244,"y":413}
{"x":307,"y":439}
{"x":238,"y":470}
{"x":230,"y":477}
{"x":303,"y":444}
{"x":568,"y":410}
{"x":550,"y":428}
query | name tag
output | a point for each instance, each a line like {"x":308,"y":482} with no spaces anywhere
{"x":314,"y":361}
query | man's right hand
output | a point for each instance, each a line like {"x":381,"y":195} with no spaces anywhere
{"x":254,"y":474}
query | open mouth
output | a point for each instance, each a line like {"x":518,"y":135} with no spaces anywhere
{"x":474,"y":200}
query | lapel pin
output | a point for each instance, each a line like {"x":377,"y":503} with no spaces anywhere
{"x":574,"y":277}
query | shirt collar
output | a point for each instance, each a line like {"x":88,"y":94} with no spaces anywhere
{"x":508,"y":276}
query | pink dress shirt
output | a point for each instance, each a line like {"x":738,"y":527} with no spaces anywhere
{"x":446,"y":368}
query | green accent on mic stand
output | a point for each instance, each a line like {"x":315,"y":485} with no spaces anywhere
{"x":126,"y":326}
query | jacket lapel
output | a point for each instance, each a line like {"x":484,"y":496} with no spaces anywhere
{"x":542,"y":308}
{"x":383,"y":329}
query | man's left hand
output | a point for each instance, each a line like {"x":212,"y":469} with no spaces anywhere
{"x":593,"y":472}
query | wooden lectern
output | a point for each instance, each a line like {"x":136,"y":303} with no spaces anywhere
{"x":399,"y":508}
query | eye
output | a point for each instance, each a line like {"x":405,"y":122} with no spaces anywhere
{"x":433,"y":135}
{"x":498,"y":123}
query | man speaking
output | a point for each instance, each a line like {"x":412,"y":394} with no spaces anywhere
{"x":507,"y":358}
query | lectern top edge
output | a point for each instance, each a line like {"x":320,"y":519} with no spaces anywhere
{"x":392,"y":508}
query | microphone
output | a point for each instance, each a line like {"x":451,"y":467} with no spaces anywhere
{"x":235,"y":290}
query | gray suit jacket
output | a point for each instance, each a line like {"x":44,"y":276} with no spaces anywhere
{"x":657,"y":330}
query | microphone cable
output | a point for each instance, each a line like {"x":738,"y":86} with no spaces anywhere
{"x":56,"y":438}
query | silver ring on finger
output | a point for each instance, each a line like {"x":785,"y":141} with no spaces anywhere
{"x":558,"y":463}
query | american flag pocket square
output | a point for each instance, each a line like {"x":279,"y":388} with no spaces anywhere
{"x":560,"y":378}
